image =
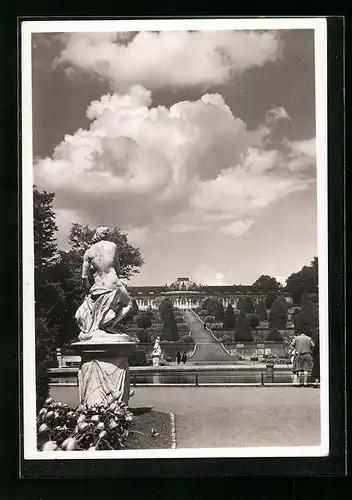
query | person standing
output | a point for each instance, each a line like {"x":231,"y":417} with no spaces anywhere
{"x":303,"y":359}
{"x":316,"y":363}
{"x":178,"y":357}
{"x":184,"y":358}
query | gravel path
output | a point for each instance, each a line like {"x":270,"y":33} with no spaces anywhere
{"x":237,"y":416}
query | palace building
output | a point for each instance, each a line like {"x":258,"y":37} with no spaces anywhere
{"x":186,"y":294}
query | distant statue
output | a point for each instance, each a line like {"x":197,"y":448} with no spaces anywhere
{"x":156,"y":353}
{"x":157,"y":348}
{"x":107,"y":301}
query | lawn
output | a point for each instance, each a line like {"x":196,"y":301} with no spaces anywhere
{"x":150,"y":430}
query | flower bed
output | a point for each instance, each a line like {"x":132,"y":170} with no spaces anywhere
{"x":99,"y":427}
{"x":107,"y":426}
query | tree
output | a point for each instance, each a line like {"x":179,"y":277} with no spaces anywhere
{"x":248,"y":306}
{"x":243,"y":330}
{"x":170,"y":331}
{"x":270,"y":299}
{"x":278,"y":313}
{"x":219,"y":313}
{"x":307,"y":320}
{"x":144,"y":321}
{"x":130,"y":257}
{"x":229,"y":318}
{"x":261,"y":311}
{"x":305,"y":280}
{"x":241,"y":303}
{"x":266,"y":284}
{"x":164,"y":306}
{"x":253,"y":320}
{"x":210,"y":304}
{"x":46,"y":291}
{"x":209,"y":319}
{"x":143,"y":337}
{"x":44,"y":229}
{"x":274,"y":336}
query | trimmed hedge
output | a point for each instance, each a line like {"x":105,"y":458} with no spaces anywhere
{"x":186,"y":339}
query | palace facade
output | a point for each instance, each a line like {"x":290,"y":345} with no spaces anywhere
{"x":186,"y":294}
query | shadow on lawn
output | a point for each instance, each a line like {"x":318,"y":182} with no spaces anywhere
{"x":139,"y":410}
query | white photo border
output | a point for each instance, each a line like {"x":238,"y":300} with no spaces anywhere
{"x":29,"y":385}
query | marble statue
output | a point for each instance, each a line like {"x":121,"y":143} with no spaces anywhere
{"x":107,"y":301}
{"x":104,"y":349}
{"x":156,"y":353}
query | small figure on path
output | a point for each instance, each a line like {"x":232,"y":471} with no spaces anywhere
{"x":316,"y":364}
{"x":303,"y":359}
{"x":184,"y":358}
{"x":178,"y":357}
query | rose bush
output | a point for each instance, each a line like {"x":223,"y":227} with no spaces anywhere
{"x":102,"y":426}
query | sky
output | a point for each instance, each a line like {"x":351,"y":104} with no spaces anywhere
{"x":200,"y":145}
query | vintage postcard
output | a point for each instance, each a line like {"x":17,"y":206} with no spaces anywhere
{"x":174,"y":187}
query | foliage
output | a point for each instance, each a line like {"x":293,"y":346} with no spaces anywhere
{"x":226,"y":339}
{"x":130,"y":257}
{"x":248,"y":305}
{"x":219,"y":312}
{"x":240,"y":303}
{"x":216,"y":326}
{"x":182,"y":326}
{"x":164,"y":306}
{"x":203,"y":312}
{"x":44,"y":229}
{"x":243,"y":330}
{"x":170,"y":331}
{"x":261,"y":311}
{"x":144,"y":321}
{"x":305,"y":280}
{"x":229,"y":318}
{"x":43,"y":358}
{"x":210,"y":304}
{"x":143,"y":337}
{"x":99,"y":427}
{"x":278,"y":313}
{"x":309,"y":297}
{"x":266,"y":284}
{"x":138,"y":357}
{"x":270,"y":299}
{"x":150,"y":313}
{"x":307,"y":320}
{"x":187,"y":339}
{"x":47,"y":291}
{"x":274,"y":336}
{"x":253,"y":320}
{"x":295,"y":312}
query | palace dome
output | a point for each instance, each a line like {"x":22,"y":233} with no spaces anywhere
{"x":182,"y":285}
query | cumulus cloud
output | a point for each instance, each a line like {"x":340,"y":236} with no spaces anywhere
{"x":175,"y":59}
{"x":193,"y":166}
{"x":275,"y":114}
{"x":206,"y":275}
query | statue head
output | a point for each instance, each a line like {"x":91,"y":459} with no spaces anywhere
{"x":100,"y":233}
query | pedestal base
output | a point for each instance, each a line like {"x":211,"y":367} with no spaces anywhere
{"x":104,"y":368}
{"x":156,"y":359}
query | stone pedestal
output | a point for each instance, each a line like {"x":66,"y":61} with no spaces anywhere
{"x":104,"y":367}
{"x":156,"y":359}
